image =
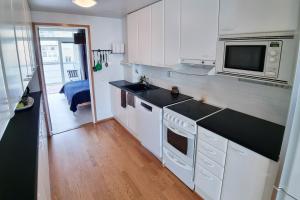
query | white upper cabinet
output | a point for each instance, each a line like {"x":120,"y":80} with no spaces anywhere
{"x":144,"y":36}
{"x":157,"y":34}
{"x":172,"y":32}
{"x":132,"y":37}
{"x":139,"y":36}
{"x":199,"y":31}
{"x":4,"y":104}
{"x":9,"y":55}
{"x":258,"y":16}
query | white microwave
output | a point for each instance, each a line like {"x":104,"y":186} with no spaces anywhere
{"x":266,"y":59}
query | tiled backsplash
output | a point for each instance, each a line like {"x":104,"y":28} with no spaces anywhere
{"x":267,"y":102}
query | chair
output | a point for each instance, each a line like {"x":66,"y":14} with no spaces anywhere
{"x":73,"y":74}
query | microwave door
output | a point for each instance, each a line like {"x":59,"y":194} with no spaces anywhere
{"x":246,"y":59}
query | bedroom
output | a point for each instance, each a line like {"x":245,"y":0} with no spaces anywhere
{"x":65,"y":76}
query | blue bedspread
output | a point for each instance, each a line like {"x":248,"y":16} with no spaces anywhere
{"x":77,"y":92}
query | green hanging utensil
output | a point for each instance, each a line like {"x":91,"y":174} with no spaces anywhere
{"x":99,"y":64}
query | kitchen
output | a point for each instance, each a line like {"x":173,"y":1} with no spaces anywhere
{"x":209,"y":89}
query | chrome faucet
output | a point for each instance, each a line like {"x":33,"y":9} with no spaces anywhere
{"x":144,"y":80}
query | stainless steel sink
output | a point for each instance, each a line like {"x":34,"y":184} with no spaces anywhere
{"x":139,"y":87}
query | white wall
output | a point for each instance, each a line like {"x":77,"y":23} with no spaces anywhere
{"x":266,"y":102}
{"x":104,"y":31}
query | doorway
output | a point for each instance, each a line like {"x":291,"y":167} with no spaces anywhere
{"x":65,"y":74}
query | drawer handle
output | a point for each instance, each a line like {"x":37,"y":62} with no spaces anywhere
{"x":238,"y":150}
{"x":209,"y":151}
{"x":209,"y":136}
{"x":205,"y":175}
{"x":208,"y":164}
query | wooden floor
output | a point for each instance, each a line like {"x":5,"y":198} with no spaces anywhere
{"x":104,"y":161}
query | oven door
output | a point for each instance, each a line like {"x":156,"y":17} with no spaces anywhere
{"x":245,"y":57}
{"x":179,"y":142}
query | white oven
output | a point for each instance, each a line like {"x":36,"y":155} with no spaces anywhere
{"x":179,"y":146}
{"x":269,"y":59}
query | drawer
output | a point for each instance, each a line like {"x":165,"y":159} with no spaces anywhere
{"x":213,"y":139}
{"x":210,"y":165}
{"x":211,"y":152}
{"x":207,"y":185}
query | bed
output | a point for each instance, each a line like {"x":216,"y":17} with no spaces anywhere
{"x":77,"y":92}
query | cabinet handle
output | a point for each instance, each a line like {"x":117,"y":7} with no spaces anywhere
{"x":186,"y":135}
{"x":147,"y":107}
{"x":238,"y":150}
{"x":205,"y":175}
{"x":209,"y":136}
{"x":180,"y":164}
{"x":208,"y":164}
{"x":209,"y":150}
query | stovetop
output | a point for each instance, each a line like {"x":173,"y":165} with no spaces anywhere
{"x":193,"y":109}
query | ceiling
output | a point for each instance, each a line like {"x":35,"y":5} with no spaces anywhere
{"x":104,"y":8}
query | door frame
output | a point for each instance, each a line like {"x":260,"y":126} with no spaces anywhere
{"x":35,"y":27}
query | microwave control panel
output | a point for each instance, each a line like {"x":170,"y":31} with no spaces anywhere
{"x":273,"y":58}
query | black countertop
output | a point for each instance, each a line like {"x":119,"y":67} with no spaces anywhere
{"x":159,"y":97}
{"x":193,"y":109}
{"x":19,"y":154}
{"x":120,"y":84}
{"x":258,"y":135}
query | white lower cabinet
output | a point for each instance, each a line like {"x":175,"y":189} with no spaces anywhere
{"x":143,"y":121}
{"x":228,"y":171}
{"x":210,"y":161}
{"x":118,"y":111}
{"x":43,"y":186}
{"x":132,"y":119}
{"x":248,"y":175}
{"x":206,"y":184}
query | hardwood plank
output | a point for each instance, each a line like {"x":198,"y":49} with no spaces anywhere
{"x":104,"y":161}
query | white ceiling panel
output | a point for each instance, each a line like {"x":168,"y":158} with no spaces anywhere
{"x":103,"y":8}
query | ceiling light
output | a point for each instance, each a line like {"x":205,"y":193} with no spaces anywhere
{"x":85,"y":3}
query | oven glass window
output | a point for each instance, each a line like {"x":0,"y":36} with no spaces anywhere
{"x":245,"y":57}
{"x":177,"y":141}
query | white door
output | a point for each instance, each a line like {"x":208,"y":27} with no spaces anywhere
{"x":199,"y":29}
{"x":172,"y":32}
{"x":144,"y":36}
{"x":150,"y":126}
{"x":132,"y":119}
{"x":132,"y":37}
{"x":157,"y":34}
{"x":256,"y":16}
{"x":247,"y":175}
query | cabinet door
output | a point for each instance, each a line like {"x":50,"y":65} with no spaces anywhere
{"x":248,"y":175}
{"x":256,"y":16}
{"x":199,"y":29}
{"x":4,"y":105}
{"x":21,"y":39}
{"x":132,"y":119}
{"x":114,"y":100}
{"x":118,"y":111}
{"x":157,"y":34}
{"x":144,"y":36}
{"x":43,"y":187}
{"x":132,"y":37}
{"x":9,"y":55}
{"x":172,"y":32}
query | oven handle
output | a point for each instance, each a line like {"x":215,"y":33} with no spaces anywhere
{"x":180,"y":164}
{"x":187,"y":135}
